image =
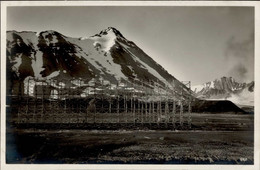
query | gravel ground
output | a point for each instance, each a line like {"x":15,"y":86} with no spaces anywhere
{"x":82,"y":146}
{"x":132,"y":147}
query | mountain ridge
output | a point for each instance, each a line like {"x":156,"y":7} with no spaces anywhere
{"x":226,"y":88}
{"x":107,"y":56}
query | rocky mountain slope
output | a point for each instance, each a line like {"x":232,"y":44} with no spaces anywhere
{"x":226,"y":88}
{"x":107,"y":57}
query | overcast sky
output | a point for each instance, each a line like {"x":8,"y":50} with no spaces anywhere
{"x":198,"y":44}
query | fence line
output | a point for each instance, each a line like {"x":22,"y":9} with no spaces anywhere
{"x":84,"y":101}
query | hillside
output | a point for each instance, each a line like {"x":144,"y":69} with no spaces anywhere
{"x":107,"y":58}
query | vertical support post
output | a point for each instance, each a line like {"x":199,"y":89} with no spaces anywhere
{"x":167,"y":105}
{"x":134,"y":101}
{"x":102,"y":100}
{"x":86,"y":104}
{"x":57,"y":103}
{"x":173,"y":113}
{"x":57,"y":109}
{"x":118,"y":107}
{"x":36,"y":100}
{"x":68,"y":102}
{"x":166,"y":110}
{"x":79,"y":92}
{"x":109,"y":109}
{"x":110,"y":99}
{"x":158,"y":112}
{"x":181,"y":113}
{"x":42,"y":111}
{"x":134,"y":112}
{"x":189,"y":112}
{"x":27,"y":101}
{"x":149,"y":112}
{"x":152,"y":112}
{"x":160,"y":109}
{"x":131,"y":105}
{"x":52,"y":115}
{"x":142,"y":105}
{"x":126,"y":108}
{"x":146,"y":114}
{"x":65,"y":99}
{"x":95,"y":109}
{"x":159,"y":104}
{"x":47,"y":114}
{"x":142,"y":112}
{"x":80,"y":99}
{"x":20,"y":96}
{"x":189,"y":109}
{"x":19,"y":105}
{"x":138,"y":110}
{"x":124,"y":99}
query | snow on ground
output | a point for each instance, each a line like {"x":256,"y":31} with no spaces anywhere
{"x":18,"y":61}
{"x":54,"y":74}
{"x":103,"y":61}
{"x":210,"y":84}
{"x":106,"y":41}
{"x":37,"y":63}
{"x":29,"y":38}
{"x":197,"y":88}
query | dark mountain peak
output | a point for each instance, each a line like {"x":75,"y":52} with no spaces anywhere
{"x":113,"y":30}
{"x":226,"y":88}
{"x":224,"y":78}
{"x":50,"y":33}
{"x":251,"y":86}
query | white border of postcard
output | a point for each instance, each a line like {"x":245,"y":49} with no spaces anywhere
{"x":4,"y":6}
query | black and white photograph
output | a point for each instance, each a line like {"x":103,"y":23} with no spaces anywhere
{"x":125,"y":84}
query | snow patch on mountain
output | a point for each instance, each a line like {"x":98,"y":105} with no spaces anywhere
{"x":53,"y":74}
{"x":37,"y":64}
{"x":104,"y":42}
{"x":197,"y":88}
{"x":98,"y":57}
{"x":17,"y":62}
{"x":226,"y":88}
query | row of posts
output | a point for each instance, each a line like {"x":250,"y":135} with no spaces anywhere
{"x":44,"y":101}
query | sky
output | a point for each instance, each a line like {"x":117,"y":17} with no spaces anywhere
{"x":197,"y":44}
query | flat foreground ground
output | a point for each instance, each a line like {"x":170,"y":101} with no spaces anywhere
{"x":135,"y":146}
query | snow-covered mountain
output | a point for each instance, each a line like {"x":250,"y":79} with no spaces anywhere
{"x":226,"y":88}
{"x":108,"y":57}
